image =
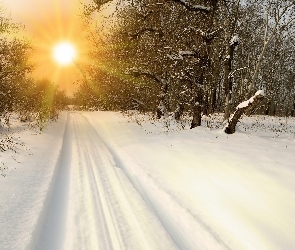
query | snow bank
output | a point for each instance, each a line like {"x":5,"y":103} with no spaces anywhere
{"x":26,"y":185}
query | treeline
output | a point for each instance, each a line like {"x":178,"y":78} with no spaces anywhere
{"x":34,"y":100}
{"x":196,"y":56}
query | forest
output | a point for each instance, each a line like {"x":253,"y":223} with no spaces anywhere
{"x":192,"y":57}
{"x":168,"y":58}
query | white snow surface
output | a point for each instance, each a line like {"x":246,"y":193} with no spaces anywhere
{"x":98,"y":180}
{"x":246,"y":103}
{"x":196,"y":6}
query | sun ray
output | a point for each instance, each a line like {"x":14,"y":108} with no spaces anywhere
{"x":56,"y":21}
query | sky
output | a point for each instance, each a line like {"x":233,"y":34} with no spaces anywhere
{"x":46,"y":23}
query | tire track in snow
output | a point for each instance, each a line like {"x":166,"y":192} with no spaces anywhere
{"x":91,"y":204}
{"x":51,"y":229}
{"x":98,"y":206}
{"x":208,"y":238}
{"x":114,"y":215}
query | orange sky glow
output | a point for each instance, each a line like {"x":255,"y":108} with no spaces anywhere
{"x":46,"y":24}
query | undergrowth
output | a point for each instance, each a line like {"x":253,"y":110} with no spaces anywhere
{"x":256,"y":123}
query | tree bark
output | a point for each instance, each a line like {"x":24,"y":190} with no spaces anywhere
{"x":161,"y":110}
{"x":293,"y":110}
{"x":163,"y":102}
{"x":267,"y":109}
{"x":196,"y":115}
{"x":213,"y":99}
{"x":205,"y":103}
{"x":179,"y":111}
{"x":228,"y":80}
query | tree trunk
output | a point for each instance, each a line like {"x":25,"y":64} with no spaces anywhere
{"x":180,"y":105}
{"x":212,"y":101}
{"x":179,"y":111}
{"x":205,"y":103}
{"x":293,"y":110}
{"x":196,"y":109}
{"x":163,"y":102}
{"x":247,"y":108}
{"x":228,"y":80}
{"x":267,"y":110}
{"x":161,"y":109}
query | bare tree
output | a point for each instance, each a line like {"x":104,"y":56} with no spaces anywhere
{"x":279,"y":15}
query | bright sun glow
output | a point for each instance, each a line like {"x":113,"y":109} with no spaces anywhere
{"x":64,"y":53}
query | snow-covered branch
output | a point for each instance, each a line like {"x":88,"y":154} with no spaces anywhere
{"x":208,"y":36}
{"x":237,"y":70}
{"x":139,"y":33}
{"x":245,"y":104}
{"x":181,"y":55}
{"x":95,"y":5}
{"x":235,"y":40}
{"x":139,"y":102}
{"x":138,"y":72}
{"x":193,"y":7}
{"x":246,"y":107}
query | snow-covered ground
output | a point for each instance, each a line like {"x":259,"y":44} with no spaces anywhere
{"x":98,"y":180}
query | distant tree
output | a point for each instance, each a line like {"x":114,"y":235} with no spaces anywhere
{"x":274,"y":22}
{"x":19,"y":91}
{"x":14,"y":65}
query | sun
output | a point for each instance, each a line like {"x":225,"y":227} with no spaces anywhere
{"x":64,"y":53}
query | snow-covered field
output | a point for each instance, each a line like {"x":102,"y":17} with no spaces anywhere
{"x":98,"y":180}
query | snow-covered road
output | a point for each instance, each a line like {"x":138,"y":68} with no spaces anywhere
{"x":106,"y":183}
{"x":93,"y":205}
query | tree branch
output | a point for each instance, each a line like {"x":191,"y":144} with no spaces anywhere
{"x":207,"y":36}
{"x":193,"y":7}
{"x":137,"y":73}
{"x":141,"y":32}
